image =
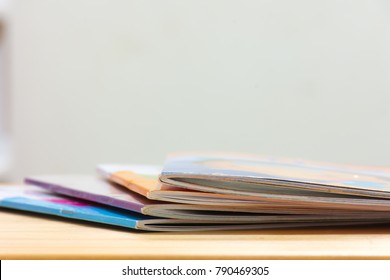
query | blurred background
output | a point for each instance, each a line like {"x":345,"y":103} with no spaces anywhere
{"x":85,"y":82}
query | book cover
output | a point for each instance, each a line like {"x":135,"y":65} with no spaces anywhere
{"x":280,"y":174}
{"x":44,"y":202}
{"x":91,"y":188}
{"x":142,"y":179}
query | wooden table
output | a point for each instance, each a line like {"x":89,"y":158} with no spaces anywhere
{"x":34,"y":236}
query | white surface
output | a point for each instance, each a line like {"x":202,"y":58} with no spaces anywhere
{"x":191,"y":269}
{"x":129,"y":81}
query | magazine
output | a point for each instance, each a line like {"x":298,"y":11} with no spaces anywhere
{"x":174,"y":187}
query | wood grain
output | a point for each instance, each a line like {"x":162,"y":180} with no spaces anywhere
{"x":32,"y":236}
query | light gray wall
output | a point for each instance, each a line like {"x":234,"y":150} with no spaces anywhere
{"x":129,"y":81}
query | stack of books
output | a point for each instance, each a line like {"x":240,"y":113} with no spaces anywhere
{"x":198,"y":192}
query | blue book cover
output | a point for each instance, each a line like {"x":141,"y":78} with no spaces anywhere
{"x":41,"y":201}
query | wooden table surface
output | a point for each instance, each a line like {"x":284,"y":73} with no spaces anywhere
{"x":34,"y":236}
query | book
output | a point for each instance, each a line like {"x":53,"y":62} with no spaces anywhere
{"x":44,"y":202}
{"x":97,"y":190}
{"x":31,"y":199}
{"x":255,"y":175}
{"x":183,"y":181}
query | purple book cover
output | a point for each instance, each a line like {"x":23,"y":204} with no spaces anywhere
{"x":91,"y":188}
